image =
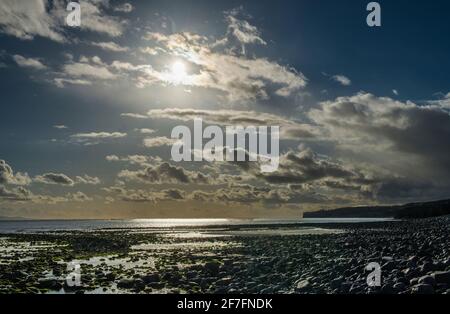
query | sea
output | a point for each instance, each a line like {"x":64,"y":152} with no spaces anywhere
{"x":24,"y":226}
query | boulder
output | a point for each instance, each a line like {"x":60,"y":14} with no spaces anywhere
{"x":302,"y":285}
{"x":442,"y":277}
{"x":212,"y":267}
{"x":151,"y":278}
{"x":429,"y":280}
{"x":423,"y":289}
{"x":125,"y":283}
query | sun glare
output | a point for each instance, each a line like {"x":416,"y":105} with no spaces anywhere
{"x":178,"y":72}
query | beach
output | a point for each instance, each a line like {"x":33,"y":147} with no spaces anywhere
{"x":222,"y":257}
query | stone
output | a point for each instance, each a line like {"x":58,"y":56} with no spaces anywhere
{"x":390,"y":265}
{"x":302,"y":285}
{"x":336,"y":283}
{"x":212,"y":267}
{"x":387,"y":289}
{"x":46,"y":283}
{"x":151,"y":278}
{"x":125,"y":283}
{"x":429,"y":280}
{"x":442,"y":277}
{"x":139,"y":284}
{"x":223,"y":281}
{"x":426,"y":267}
{"x":399,"y":286}
{"x":423,"y":289}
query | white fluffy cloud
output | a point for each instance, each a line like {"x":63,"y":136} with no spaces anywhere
{"x":93,"y":18}
{"x":7,"y":175}
{"x":54,"y":178}
{"x":110,"y":46}
{"x":158,"y":141}
{"x":241,"y":78}
{"x":81,"y":69}
{"x":29,"y":62}
{"x":99,"y":135}
{"x":27,"y":19}
{"x":342,"y":79}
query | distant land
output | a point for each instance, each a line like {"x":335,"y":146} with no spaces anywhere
{"x":411,"y":210}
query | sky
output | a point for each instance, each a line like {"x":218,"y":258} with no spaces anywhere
{"x":87,"y":111}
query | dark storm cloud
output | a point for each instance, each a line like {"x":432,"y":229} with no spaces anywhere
{"x":305,"y":166}
{"x":382,"y":126}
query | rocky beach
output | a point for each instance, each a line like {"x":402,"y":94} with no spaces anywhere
{"x":414,"y":256}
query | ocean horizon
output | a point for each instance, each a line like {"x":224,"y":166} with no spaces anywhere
{"x":41,"y":225}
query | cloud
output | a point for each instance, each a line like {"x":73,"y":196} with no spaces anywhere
{"x":140,"y":160}
{"x":240,"y":31}
{"x":7,"y":175}
{"x":99,"y":135}
{"x":54,"y":178}
{"x":134,"y":115}
{"x":144,"y":196}
{"x":152,"y":51}
{"x":94,"y":138}
{"x":94,"y":17}
{"x":146,"y":131}
{"x":27,"y":19}
{"x":444,"y":102}
{"x":391,"y":135}
{"x":217,"y":67}
{"x":245,"y":194}
{"x":62,"y":179}
{"x":342,"y":79}
{"x":60,"y":126}
{"x":79,"y":197}
{"x":15,"y":194}
{"x":239,"y":77}
{"x":289,"y":129}
{"x":159,"y":141}
{"x":87,"y":180}
{"x":125,"y":7}
{"x":29,"y":62}
{"x":164,"y":173}
{"x":110,"y":46}
{"x":305,"y":166}
{"x":62,"y":82}
{"x":84,"y":69}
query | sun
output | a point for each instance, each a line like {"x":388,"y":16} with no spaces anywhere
{"x":178,"y":72}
